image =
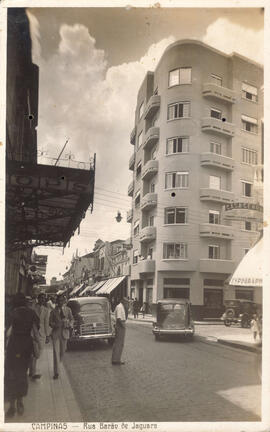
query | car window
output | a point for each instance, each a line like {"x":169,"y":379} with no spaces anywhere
{"x":91,"y":308}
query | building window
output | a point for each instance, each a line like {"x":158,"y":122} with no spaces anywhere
{"x":141,"y":109}
{"x":213,"y":252}
{"x":156,"y":91}
{"x":152,"y":187}
{"x":154,"y":153}
{"x":136,"y":227}
{"x":247,"y":226}
{"x":177,"y":145}
{"x":215,"y":79}
{"x":176,"y":180}
{"x":178,"y":110}
{"x":215,"y":113}
{"x":214,"y":217}
{"x":249,"y":92}
{"x":138,"y":169}
{"x":174,"y":250}
{"x":135,"y":256}
{"x":139,"y":141}
{"x":151,"y":220}
{"x":215,"y":148}
{"x":137,"y":198}
{"x":180,"y":76}
{"x":244,"y":294}
{"x":150,"y":253}
{"x":249,"y":124}
{"x":176,"y":288}
{"x":214,"y":182}
{"x":249,"y":156}
{"x":246,"y":189}
{"x":176,"y":215}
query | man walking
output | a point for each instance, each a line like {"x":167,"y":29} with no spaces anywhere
{"x":61,"y":320}
{"x":120,"y":331}
{"x":41,"y":335}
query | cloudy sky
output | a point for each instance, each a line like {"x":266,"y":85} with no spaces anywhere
{"x":92,"y":62}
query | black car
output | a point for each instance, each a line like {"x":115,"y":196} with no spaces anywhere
{"x":239,"y":311}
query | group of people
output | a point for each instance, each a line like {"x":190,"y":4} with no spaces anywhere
{"x":256,"y":327}
{"x":30,"y":324}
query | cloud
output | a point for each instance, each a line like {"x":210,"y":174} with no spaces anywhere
{"x":231,"y":37}
{"x":81,"y":98}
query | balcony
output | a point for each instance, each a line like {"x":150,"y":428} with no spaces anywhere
{"x":146,"y":266}
{"x":131,"y":162}
{"x":213,"y":125}
{"x":152,"y":106}
{"x":148,"y":234}
{"x":148,"y":201}
{"x":131,"y":189}
{"x":216,"y":231}
{"x":133,"y":136}
{"x":208,"y":265}
{"x":151,"y":137}
{"x":216,"y":195}
{"x":149,"y":169}
{"x":214,"y":91}
{"x":217,"y":161}
{"x":129,"y":215}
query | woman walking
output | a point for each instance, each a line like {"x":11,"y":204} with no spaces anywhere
{"x":18,"y":353}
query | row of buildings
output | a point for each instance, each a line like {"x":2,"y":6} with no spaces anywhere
{"x":44,"y":203}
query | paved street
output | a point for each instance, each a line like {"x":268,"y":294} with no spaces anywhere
{"x":164,"y":381}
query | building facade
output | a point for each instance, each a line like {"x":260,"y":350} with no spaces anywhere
{"x":197,"y":139}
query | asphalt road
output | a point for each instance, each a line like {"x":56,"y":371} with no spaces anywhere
{"x":164,"y":381}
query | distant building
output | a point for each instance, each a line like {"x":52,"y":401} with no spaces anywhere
{"x":197,"y":139}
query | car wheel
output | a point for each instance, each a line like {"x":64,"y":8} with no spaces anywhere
{"x":245,"y":322}
{"x":230,"y":313}
{"x":227,"y":323}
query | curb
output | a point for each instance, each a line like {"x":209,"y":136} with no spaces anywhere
{"x":240,"y":345}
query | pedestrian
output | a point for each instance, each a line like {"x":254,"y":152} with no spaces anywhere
{"x":18,"y":353}
{"x":254,"y":326}
{"x":41,"y":335}
{"x":144,"y":309}
{"x":136,"y":308}
{"x":120,"y":331}
{"x":51,"y":303}
{"x":61,"y":320}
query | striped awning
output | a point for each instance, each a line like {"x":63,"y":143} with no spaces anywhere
{"x":76,"y":289}
{"x":250,"y":270}
{"x":91,"y":288}
{"x":110,"y":285}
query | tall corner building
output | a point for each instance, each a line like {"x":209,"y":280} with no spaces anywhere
{"x":197,"y":142}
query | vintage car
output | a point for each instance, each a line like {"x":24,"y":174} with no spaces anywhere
{"x":173,"y":317}
{"x":240,"y":311}
{"x":92,"y":320}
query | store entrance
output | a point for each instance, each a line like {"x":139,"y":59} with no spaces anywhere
{"x":213,"y":303}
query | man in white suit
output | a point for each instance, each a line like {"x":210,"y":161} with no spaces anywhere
{"x":41,"y":335}
{"x":61,"y":320}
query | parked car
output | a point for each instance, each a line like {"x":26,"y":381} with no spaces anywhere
{"x":239,"y":311}
{"x":173,"y":318}
{"x":93,"y":320}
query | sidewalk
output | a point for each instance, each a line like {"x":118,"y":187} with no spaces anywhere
{"x":49,"y":400}
{"x":215,"y":331}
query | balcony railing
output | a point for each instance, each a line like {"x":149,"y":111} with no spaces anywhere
{"x":208,"y":265}
{"x":148,"y":201}
{"x":129,"y":215}
{"x":151,"y":137}
{"x":152,"y":106}
{"x":149,"y":169}
{"x":217,"y":195}
{"x":147,"y":234}
{"x":217,"y":160}
{"x":213,"y":125}
{"x":133,"y":136}
{"x":215,"y":91}
{"x":131,"y":162}
{"x":131,"y":189}
{"x":216,"y":231}
{"x":146,"y":266}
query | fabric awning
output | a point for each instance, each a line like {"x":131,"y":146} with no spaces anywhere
{"x":249,"y":271}
{"x":91,"y":288}
{"x":76,"y":289}
{"x":110,"y":285}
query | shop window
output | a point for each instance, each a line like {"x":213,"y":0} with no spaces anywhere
{"x":213,"y":298}
{"x":244,"y":294}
